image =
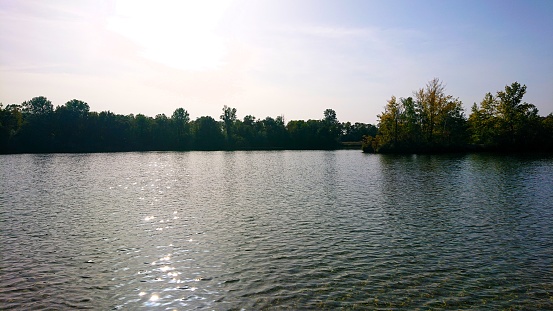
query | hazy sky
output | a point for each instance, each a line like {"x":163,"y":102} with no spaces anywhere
{"x":270,"y":58}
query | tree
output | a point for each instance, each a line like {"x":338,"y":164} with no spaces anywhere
{"x":37,"y":131}
{"x":275,"y":132}
{"x":249,"y":134}
{"x":38,"y":106}
{"x":483,"y":123}
{"x":10,"y":123}
{"x":207,"y":134}
{"x":410,"y":119}
{"x":180,"y":119}
{"x":435,"y":121}
{"x":330,"y":116}
{"x":329,"y":130}
{"x":355,"y":132}
{"x":180,"y":116}
{"x":515,"y":117}
{"x":71,"y":122}
{"x":431,"y":102}
{"x":389,"y":122}
{"x":162,"y":133}
{"x":228,"y":117}
{"x":142,"y":130}
{"x":77,"y":107}
{"x":505,"y":122}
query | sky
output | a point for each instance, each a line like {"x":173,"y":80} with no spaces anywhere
{"x":271,"y":57}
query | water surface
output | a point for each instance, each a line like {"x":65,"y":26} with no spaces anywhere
{"x":275,"y":230}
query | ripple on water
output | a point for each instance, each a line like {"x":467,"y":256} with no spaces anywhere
{"x":282,"y":230}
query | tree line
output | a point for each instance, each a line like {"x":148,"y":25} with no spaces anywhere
{"x":35,"y":126}
{"x":432,"y":121}
{"x":428,"y":121}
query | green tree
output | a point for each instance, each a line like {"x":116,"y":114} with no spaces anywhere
{"x":38,"y":106}
{"x":330,"y":129}
{"x":515,"y":117}
{"x":275,"y":132}
{"x":434,"y":121}
{"x":505,"y":122}
{"x":11,"y":120}
{"x":78,"y":108}
{"x":142,"y":131}
{"x":389,"y":122}
{"x":431,"y":102}
{"x":228,"y":117}
{"x":410,"y":120}
{"x":181,"y":119}
{"x":162,"y":133}
{"x":355,"y":132}
{"x":71,"y":121}
{"x":207,"y":134}
{"x":37,"y":132}
{"x":483,"y":121}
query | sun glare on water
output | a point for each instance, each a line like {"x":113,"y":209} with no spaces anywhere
{"x":178,"y":34}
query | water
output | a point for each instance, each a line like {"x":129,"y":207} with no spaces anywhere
{"x":275,"y":230}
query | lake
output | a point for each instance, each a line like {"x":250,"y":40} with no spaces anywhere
{"x":275,"y":230}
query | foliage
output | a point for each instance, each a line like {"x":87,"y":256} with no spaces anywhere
{"x":504,"y":122}
{"x":433,"y":121}
{"x":429,"y":121}
{"x":35,"y":126}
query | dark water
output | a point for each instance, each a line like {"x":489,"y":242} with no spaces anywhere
{"x":275,"y":230}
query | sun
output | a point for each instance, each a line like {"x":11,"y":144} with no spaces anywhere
{"x":178,"y":34}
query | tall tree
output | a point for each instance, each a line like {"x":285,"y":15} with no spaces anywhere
{"x":483,"y":124}
{"x":431,"y":101}
{"x":37,"y":130}
{"x":388,"y":123}
{"x":331,"y":128}
{"x":72,"y":120}
{"x":181,"y":119}
{"x":514,"y":115}
{"x":410,"y":120}
{"x":228,"y":117}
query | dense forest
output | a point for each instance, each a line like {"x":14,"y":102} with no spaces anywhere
{"x":36,"y":126}
{"x":432,"y":121}
{"x":429,"y":121}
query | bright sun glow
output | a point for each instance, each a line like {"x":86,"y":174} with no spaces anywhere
{"x":179,"y":34}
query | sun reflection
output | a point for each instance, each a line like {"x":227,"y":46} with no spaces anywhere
{"x":148,"y":218}
{"x":173,"y":274}
{"x":154,"y":297}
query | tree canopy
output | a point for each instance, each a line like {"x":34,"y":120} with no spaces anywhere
{"x":428,"y":121}
{"x":35,"y":126}
{"x":433,"y":121}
